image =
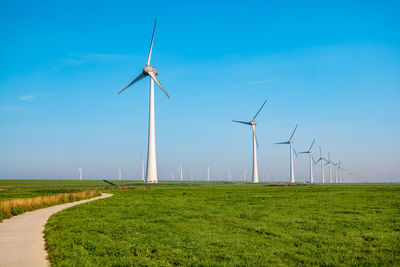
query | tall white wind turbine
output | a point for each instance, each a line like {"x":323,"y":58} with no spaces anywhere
{"x":290,"y":142}
{"x":321,"y":159}
{"x":151,"y":174}
{"x":309,"y":152}
{"x":119,"y":174}
{"x":253,"y":124}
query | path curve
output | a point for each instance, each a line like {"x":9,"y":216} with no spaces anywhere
{"x":21,"y":237}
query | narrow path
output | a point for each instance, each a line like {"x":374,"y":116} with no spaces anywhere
{"x":21,"y":237}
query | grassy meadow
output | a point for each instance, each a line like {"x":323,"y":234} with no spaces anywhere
{"x":231,"y":224}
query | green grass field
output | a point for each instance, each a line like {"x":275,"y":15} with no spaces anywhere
{"x":231,"y":224}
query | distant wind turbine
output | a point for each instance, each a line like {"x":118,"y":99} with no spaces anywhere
{"x":329,"y":162}
{"x":290,"y":142}
{"x":208,"y":172}
{"x":180,"y":169}
{"x":321,"y":159}
{"x":119,"y":174}
{"x":340,"y":171}
{"x":141,"y":164}
{"x":253,"y":124}
{"x":337,"y":166}
{"x":80,"y":170}
{"x":309,"y":152}
{"x":151,"y":175}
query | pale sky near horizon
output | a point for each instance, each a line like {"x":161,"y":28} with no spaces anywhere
{"x":333,"y":67}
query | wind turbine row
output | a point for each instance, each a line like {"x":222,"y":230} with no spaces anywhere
{"x":151,"y":168}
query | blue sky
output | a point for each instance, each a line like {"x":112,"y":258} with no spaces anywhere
{"x":333,"y":67}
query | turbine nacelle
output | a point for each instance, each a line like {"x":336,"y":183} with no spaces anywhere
{"x":253,"y":123}
{"x":148,"y":69}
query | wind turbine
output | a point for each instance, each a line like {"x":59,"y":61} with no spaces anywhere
{"x":290,"y":142}
{"x":180,"y":169}
{"x":329,"y":162}
{"x":208,"y":172}
{"x":151,"y":174}
{"x":309,"y":152}
{"x":119,"y":174}
{"x":321,"y":159}
{"x":253,"y":124}
{"x":80,"y":171}
{"x":141,"y":164}
{"x":337,"y":165}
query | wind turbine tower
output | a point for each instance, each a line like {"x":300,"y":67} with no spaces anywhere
{"x":253,"y":124}
{"x":321,"y":159}
{"x":151,"y":173}
{"x":309,"y":152}
{"x":141,"y":164}
{"x":329,"y":162}
{"x":208,"y":172}
{"x":290,"y":142}
{"x":80,"y":172}
{"x":180,"y":169}
{"x":119,"y":174}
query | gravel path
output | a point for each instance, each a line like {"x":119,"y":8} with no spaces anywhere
{"x":21,"y":237}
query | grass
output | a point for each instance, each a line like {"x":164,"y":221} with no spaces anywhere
{"x":232,"y":224}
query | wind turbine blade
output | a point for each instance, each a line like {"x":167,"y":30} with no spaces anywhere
{"x":151,"y":45}
{"x":320,"y":153}
{"x":153,"y":76}
{"x":138,"y":78}
{"x":317,"y":161}
{"x":313,"y":160}
{"x":305,"y":152}
{"x":295,"y":152}
{"x":282,"y":143}
{"x":255,"y":135}
{"x":312,"y":144}
{"x":293,"y":132}
{"x":260,"y":109}
{"x":244,"y":122}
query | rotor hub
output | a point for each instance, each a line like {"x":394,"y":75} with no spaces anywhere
{"x":253,"y":123}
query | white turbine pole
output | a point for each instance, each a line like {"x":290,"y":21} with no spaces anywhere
{"x":336,"y":181}
{"x":311,"y":169}
{"x":291,"y":164}
{"x":80,"y":172}
{"x":151,"y":174}
{"x":142,"y":161}
{"x":208,"y":173}
{"x":119,"y":174}
{"x":255,"y":168}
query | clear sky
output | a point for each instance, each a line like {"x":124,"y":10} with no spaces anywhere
{"x":333,"y":67}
